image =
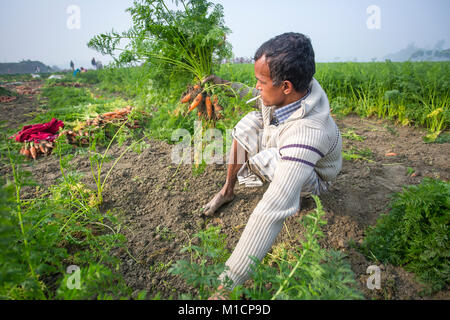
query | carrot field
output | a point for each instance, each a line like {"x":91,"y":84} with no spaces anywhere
{"x":108,"y":199}
{"x":104,"y":207}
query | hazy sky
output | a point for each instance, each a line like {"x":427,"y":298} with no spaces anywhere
{"x":38,"y":29}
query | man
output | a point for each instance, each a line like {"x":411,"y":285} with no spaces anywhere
{"x":292,"y":143}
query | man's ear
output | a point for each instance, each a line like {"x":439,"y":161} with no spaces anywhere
{"x":287,"y":87}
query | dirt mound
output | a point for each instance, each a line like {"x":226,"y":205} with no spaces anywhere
{"x":16,"y":113}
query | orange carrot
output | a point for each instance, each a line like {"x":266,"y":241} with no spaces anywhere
{"x":196,"y":87}
{"x":48,"y":144}
{"x":217,"y":107}
{"x":33,"y":152}
{"x":209,"y":109}
{"x":41,"y":148}
{"x":121,"y":112}
{"x":26,"y":153}
{"x":186,"y":98}
{"x":196,"y":102}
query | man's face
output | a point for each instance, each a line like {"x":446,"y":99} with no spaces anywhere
{"x":270,"y":94}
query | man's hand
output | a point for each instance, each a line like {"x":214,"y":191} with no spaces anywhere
{"x":220,"y":294}
{"x":215,"y":79}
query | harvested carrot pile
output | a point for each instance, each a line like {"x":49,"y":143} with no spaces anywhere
{"x":67,"y":84}
{"x":207,"y":107}
{"x":26,"y":90}
{"x":117,"y":117}
{"x":6,"y":99}
{"x":39,"y":139}
{"x":34,"y":149}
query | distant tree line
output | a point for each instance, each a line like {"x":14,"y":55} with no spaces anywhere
{"x":422,"y":54}
{"x":26,"y":66}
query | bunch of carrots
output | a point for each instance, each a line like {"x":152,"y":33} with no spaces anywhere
{"x":25,"y":90}
{"x":208,"y":107}
{"x":34,"y":149}
{"x":76,"y":137}
{"x":67,"y":84}
{"x":79,"y":137}
{"x":118,"y":116}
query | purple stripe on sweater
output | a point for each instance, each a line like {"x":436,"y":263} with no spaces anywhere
{"x":298,"y":160}
{"x":302,"y":146}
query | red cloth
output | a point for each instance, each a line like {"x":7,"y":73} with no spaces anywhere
{"x":41,"y":131}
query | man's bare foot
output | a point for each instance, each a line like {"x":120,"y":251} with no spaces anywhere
{"x":219,"y":199}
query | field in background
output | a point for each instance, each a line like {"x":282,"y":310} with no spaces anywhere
{"x":415,"y":94}
{"x":63,"y":223}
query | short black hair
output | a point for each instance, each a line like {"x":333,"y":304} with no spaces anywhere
{"x":290,"y":57}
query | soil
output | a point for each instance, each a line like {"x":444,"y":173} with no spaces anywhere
{"x":159,"y":203}
{"x":17,"y":113}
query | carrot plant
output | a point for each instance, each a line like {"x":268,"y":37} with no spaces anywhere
{"x":32,"y":286}
{"x":414,"y":233}
{"x":408,"y":93}
{"x":97,"y":161}
{"x":45,"y":230}
{"x":190,"y":39}
{"x":207,"y":262}
{"x":306,"y":271}
{"x":288,"y":272}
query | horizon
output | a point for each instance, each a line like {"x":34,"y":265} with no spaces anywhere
{"x":340,"y":32}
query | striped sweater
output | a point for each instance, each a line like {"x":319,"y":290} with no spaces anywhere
{"x":308,"y":140}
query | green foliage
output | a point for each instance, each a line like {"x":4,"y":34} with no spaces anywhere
{"x":352,"y":135}
{"x":415,"y":233}
{"x":190,"y":40}
{"x":97,"y":282}
{"x":358,"y":154}
{"x":6,"y":92}
{"x":409,"y":93}
{"x":60,"y":97}
{"x":16,"y":77}
{"x":304,"y":272}
{"x":131,"y":81}
{"x":61,"y":226}
{"x":243,"y":73}
{"x":90,"y":77}
{"x":344,"y":83}
{"x":207,"y":261}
